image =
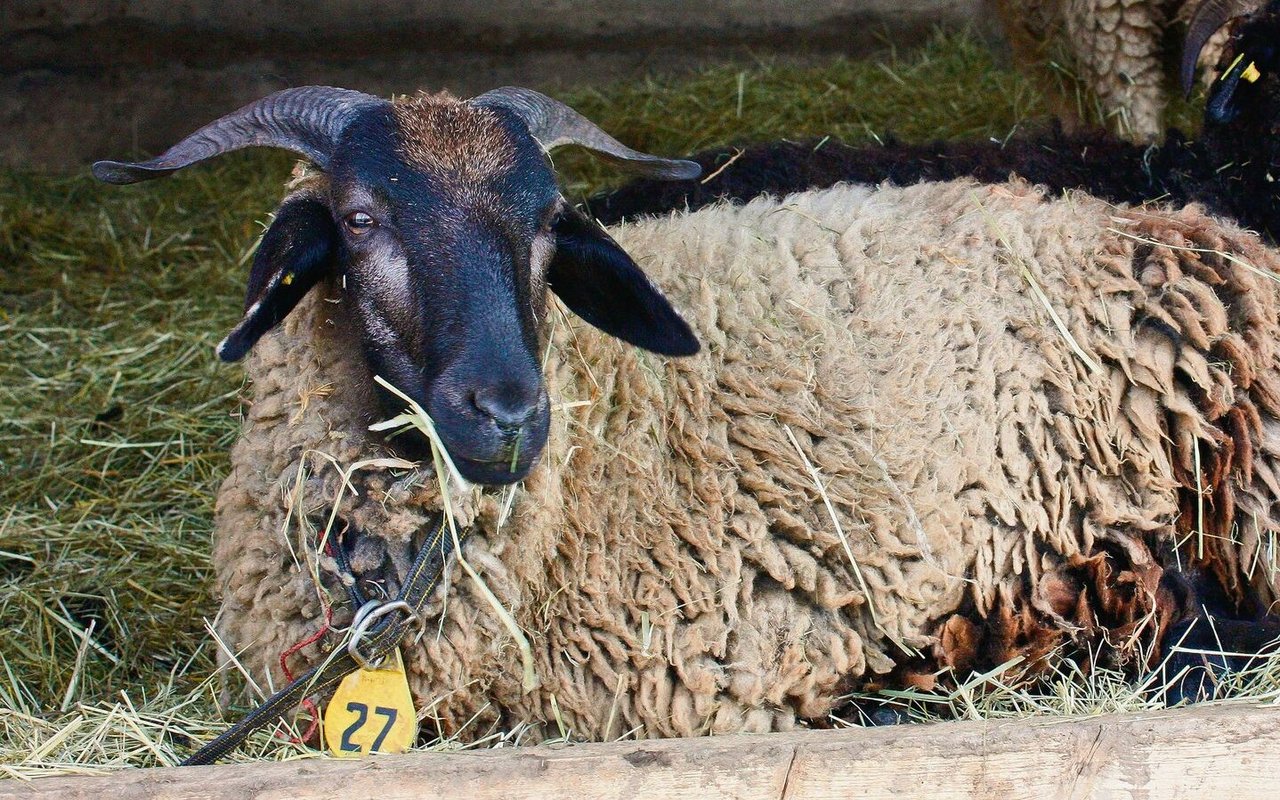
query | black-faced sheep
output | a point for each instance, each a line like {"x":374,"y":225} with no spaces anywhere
{"x":1230,"y":169}
{"x":1116,"y":47}
{"x":929,"y":428}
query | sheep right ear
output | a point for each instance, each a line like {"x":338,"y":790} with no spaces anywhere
{"x":599,"y":282}
{"x":295,"y":252}
{"x":1222,"y":106}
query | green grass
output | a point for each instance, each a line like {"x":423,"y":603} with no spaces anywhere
{"x":117,"y":417}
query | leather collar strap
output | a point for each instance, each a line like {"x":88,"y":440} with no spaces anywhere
{"x":376,"y":644}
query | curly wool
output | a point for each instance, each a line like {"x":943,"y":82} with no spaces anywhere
{"x":1117,"y":48}
{"x":674,"y":560}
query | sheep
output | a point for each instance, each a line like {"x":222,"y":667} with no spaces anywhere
{"x":928,"y":430}
{"x":673,"y":558}
{"x":1229,"y":169}
{"x":1117,"y":49}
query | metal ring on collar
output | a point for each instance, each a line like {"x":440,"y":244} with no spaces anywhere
{"x":368,"y":614}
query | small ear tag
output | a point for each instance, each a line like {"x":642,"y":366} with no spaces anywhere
{"x":1251,"y":73}
{"x":371,"y":712}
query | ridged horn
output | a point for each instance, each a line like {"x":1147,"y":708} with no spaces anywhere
{"x":307,"y":120}
{"x":554,"y":125}
{"x":1209,"y":16}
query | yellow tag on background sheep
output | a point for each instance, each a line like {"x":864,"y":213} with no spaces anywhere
{"x":371,"y":712}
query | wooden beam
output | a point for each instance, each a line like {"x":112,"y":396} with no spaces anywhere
{"x":1214,"y":752}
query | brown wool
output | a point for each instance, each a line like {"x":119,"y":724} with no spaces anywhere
{"x":448,"y":137}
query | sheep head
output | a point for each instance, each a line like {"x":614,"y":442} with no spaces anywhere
{"x":1248,"y":83}
{"x":442,"y":222}
{"x":1250,"y":56}
{"x":1241,"y":124}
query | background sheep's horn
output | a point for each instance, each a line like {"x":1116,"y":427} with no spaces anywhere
{"x":1209,"y":16}
{"x":306,"y":120}
{"x":554,"y":124}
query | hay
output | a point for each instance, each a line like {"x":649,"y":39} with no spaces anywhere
{"x":118,"y":418}
{"x":1067,"y":691}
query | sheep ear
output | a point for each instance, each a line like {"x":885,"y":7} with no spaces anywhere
{"x":600,"y":283}
{"x":1222,"y":106}
{"x":294,"y":254}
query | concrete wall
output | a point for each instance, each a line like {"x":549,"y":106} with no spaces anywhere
{"x":505,"y":20}
{"x":86,"y":79}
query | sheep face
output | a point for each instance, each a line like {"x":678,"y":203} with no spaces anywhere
{"x":442,"y":224}
{"x":443,"y":216}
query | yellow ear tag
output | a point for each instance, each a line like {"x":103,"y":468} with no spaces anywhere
{"x":371,"y":712}
{"x":1250,"y":73}
{"x":288,"y":279}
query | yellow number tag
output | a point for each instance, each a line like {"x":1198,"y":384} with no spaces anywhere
{"x":371,"y":712}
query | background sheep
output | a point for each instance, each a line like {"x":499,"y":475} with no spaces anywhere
{"x":1228,"y":169}
{"x":1117,"y":49}
{"x":997,"y":485}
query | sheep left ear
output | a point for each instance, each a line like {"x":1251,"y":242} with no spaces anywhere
{"x":295,"y":252}
{"x":600,"y":283}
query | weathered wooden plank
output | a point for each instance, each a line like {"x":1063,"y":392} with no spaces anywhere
{"x":1215,"y":752}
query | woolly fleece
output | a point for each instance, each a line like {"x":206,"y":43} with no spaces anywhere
{"x":672,"y":559}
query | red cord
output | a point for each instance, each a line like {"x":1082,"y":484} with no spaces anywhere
{"x":312,"y":639}
{"x":308,"y":703}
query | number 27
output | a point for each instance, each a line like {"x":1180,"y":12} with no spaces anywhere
{"x":362,"y":716}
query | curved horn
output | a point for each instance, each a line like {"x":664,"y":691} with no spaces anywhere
{"x":554,"y":124}
{"x":306,"y":120}
{"x":1209,"y":16}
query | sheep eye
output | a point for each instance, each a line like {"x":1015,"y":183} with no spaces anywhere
{"x":358,"y":222}
{"x":549,"y":217}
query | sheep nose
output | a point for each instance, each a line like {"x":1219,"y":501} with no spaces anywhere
{"x":509,"y":406}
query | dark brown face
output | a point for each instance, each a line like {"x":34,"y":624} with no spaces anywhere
{"x":443,"y":223}
{"x":445,"y":226}
{"x":444,"y":213}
